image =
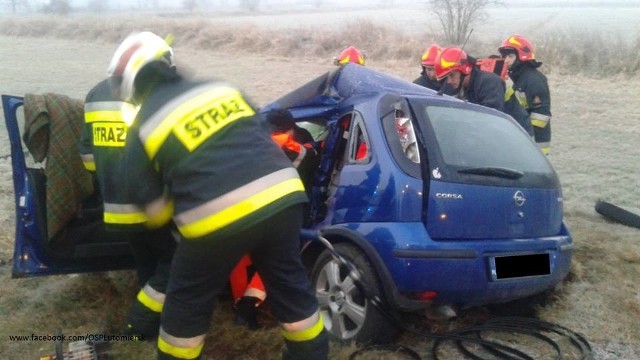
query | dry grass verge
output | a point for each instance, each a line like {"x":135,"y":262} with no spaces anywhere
{"x":571,"y":51}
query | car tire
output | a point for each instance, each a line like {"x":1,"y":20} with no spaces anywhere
{"x":617,"y":214}
{"x":348,"y":315}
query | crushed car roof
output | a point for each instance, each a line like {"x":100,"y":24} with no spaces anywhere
{"x":344,"y":82}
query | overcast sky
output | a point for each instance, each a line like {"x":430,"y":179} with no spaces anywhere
{"x":288,"y":3}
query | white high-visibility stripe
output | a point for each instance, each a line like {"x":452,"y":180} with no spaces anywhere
{"x":540,"y":117}
{"x":235,"y":196}
{"x":157,"y":206}
{"x":105,"y":105}
{"x":154,"y":294}
{"x":522,"y":98}
{"x":121,"y":208}
{"x":255,"y":293}
{"x":302,"y":324}
{"x":87,"y":158}
{"x":177,"y":345}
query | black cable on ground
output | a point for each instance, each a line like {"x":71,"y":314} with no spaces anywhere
{"x":477,"y":335}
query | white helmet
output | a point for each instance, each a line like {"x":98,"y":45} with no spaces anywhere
{"x":136,"y":51}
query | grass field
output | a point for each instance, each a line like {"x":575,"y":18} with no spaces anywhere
{"x":596,"y":132}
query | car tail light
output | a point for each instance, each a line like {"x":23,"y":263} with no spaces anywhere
{"x":425,"y":296}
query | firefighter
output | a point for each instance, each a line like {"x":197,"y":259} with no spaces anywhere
{"x":201,"y":145}
{"x":107,"y":118}
{"x":427,"y":77}
{"x":460,"y":72}
{"x":246,"y":285}
{"x":467,"y":81}
{"x":349,"y":55}
{"x":530,"y":86}
{"x":296,"y":142}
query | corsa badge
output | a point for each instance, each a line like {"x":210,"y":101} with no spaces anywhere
{"x":519,"y":198}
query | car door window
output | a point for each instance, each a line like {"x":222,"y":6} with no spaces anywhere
{"x":359,"y":147}
{"x":407,"y":136}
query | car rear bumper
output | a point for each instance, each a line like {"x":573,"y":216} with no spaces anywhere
{"x":472,"y":281}
{"x":471,"y":272}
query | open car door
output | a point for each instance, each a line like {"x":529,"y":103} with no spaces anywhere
{"x":83,"y":245}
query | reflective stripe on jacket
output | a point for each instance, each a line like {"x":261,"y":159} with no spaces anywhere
{"x":102,"y":148}
{"x":203,"y":141}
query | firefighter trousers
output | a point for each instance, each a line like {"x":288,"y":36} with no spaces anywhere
{"x":201,"y":269}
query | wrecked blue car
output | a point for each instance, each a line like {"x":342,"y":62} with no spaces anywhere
{"x":436,"y":201}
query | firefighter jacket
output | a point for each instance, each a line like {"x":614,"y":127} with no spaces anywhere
{"x":295,"y":151}
{"x":302,"y":154}
{"x":423,"y":80}
{"x":203,"y":142}
{"x":514,"y":109}
{"x":485,"y":89}
{"x":102,"y":147}
{"x":436,"y":85}
{"x":532,"y":90}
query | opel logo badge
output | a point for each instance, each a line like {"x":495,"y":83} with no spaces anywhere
{"x":519,"y":198}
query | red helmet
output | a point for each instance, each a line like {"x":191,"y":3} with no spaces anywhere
{"x":350,"y":54}
{"x":429,"y":56}
{"x":450,"y":59}
{"x":523,"y":47}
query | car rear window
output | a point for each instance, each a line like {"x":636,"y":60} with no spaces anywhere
{"x":474,"y":145}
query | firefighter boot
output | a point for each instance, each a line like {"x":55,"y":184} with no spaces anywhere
{"x":247,"y":311}
{"x":312,"y":349}
{"x":142,"y":321}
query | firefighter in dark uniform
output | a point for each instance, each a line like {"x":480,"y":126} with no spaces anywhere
{"x":470,"y":83}
{"x":461,"y":74}
{"x":530,"y":86}
{"x":102,"y":148}
{"x":428,"y":77}
{"x":202,"y":146}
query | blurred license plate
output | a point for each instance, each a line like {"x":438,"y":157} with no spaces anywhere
{"x":508,"y":267}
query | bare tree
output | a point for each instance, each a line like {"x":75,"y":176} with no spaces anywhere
{"x":250,"y":5}
{"x":457,"y":17}
{"x":189,"y":4}
{"x":58,"y":7}
{"x":98,"y":6}
{"x":16,"y":4}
